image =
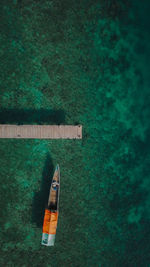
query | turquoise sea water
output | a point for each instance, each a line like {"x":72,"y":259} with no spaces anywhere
{"x":70,"y":62}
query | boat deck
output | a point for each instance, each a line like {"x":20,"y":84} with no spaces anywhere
{"x":41,"y":131}
{"x":54,"y":191}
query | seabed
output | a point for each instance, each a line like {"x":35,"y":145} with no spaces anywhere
{"x":70,"y":63}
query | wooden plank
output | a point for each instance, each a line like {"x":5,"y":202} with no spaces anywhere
{"x":41,"y":131}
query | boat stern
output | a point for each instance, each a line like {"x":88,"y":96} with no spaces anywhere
{"x":48,"y":239}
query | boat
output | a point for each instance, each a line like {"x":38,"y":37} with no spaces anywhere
{"x":51,"y":211}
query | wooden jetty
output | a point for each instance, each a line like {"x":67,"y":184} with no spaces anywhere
{"x":41,"y":131}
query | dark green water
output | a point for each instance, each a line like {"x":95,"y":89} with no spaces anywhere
{"x":70,"y":62}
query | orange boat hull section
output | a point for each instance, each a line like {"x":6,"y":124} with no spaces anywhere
{"x":50,"y":222}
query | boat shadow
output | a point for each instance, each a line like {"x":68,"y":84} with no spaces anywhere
{"x":30,"y":116}
{"x":40,"y":198}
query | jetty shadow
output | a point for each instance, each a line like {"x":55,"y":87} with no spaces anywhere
{"x":40,"y":198}
{"x":31,"y":116}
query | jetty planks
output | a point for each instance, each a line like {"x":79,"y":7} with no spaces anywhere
{"x":41,"y":131}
